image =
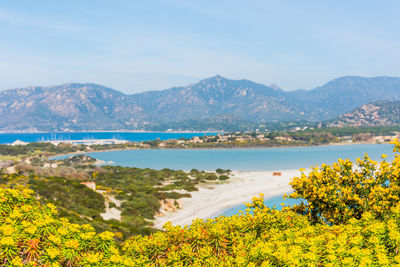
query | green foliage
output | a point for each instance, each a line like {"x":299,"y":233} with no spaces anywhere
{"x":68,"y":194}
{"x":32,"y":235}
{"x":272,"y":238}
{"x":223,"y":177}
{"x":345,"y":190}
{"x":37,"y":148}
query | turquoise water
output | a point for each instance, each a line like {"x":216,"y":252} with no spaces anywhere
{"x":270,"y":202}
{"x":240,"y":159}
{"x":6,"y":138}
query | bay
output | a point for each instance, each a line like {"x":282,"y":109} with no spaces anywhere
{"x":254,"y":159}
{"x":273,"y":202}
{"x":7,"y":138}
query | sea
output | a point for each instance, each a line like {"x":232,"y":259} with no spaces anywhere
{"x":273,"y":202}
{"x":252,"y":159}
{"x":8,"y":138}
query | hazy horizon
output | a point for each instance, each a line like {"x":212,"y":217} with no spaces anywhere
{"x":154,"y":45}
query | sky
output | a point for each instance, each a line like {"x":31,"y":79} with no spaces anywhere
{"x":135,"y":46}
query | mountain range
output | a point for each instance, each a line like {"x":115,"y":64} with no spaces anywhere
{"x":211,"y":103}
{"x":380,"y":113}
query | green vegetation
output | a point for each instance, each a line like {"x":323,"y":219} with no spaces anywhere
{"x":138,"y":193}
{"x":350,"y":131}
{"x":32,"y":149}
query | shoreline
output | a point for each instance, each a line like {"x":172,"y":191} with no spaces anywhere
{"x":211,"y":199}
{"x":38,"y":132}
{"x":203,"y":148}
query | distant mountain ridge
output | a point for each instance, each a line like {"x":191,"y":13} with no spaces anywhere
{"x":380,"y":113}
{"x":217,"y":99}
{"x":346,"y":93}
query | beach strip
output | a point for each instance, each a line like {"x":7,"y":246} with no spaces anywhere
{"x":242,"y":187}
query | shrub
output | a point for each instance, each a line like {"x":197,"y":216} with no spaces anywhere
{"x":344,"y":190}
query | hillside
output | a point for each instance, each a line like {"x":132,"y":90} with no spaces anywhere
{"x":65,"y":107}
{"x":347,"y":93}
{"x":381,"y":113}
{"x":213,"y":103}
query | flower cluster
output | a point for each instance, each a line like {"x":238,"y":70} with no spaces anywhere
{"x":349,"y":216}
{"x":31,"y":235}
{"x":336,"y":193}
{"x":270,"y":237}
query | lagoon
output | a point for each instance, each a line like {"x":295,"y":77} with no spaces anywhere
{"x":255,"y":159}
{"x":273,"y":202}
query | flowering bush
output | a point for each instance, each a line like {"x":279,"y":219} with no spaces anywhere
{"x":350,"y":217}
{"x":345,"y":190}
{"x":31,"y":234}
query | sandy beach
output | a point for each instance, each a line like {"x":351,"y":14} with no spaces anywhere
{"x":242,"y":187}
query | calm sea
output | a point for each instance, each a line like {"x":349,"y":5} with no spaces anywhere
{"x":7,"y":138}
{"x":240,"y":159}
{"x":273,"y":202}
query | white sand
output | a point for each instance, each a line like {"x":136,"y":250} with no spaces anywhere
{"x":242,"y":187}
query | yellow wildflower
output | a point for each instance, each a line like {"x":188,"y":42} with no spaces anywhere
{"x":72,"y":243}
{"x":107,"y":235}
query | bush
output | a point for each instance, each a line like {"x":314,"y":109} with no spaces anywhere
{"x":350,"y":216}
{"x":345,"y":190}
{"x":223,"y":177}
{"x":31,"y":234}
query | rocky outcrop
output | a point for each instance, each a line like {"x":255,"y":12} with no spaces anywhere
{"x":169,"y":205}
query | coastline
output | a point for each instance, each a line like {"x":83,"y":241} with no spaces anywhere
{"x":213,"y":198}
{"x":110,"y":131}
{"x":203,"y":148}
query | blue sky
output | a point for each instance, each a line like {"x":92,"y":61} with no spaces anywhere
{"x":135,"y":46}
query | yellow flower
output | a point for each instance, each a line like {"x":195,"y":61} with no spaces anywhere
{"x":115,"y":258}
{"x":52,"y":252}
{"x":88,"y":235}
{"x":72,"y":243}
{"x":26,"y":208}
{"x":31,"y":230}
{"x":107,"y":235}
{"x":93,"y":257}
{"x":7,"y":241}
{"x":87,"y":227}
{"x":52,"y":208}
{"x":17,"y":261}
{"x":7,"y":229}
{"x":15,"y":214}
{"x":55,"y":239}
{"x":62,"y":231}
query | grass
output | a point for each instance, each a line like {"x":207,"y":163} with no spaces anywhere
{"x":8,"y":157}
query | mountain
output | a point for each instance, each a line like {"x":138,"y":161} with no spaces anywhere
{"x":218,"y":96}
{"x":65,"y":107}
{"x":210,"y":103}
{"x":346,"y":93}
{"x":381,"y":113}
